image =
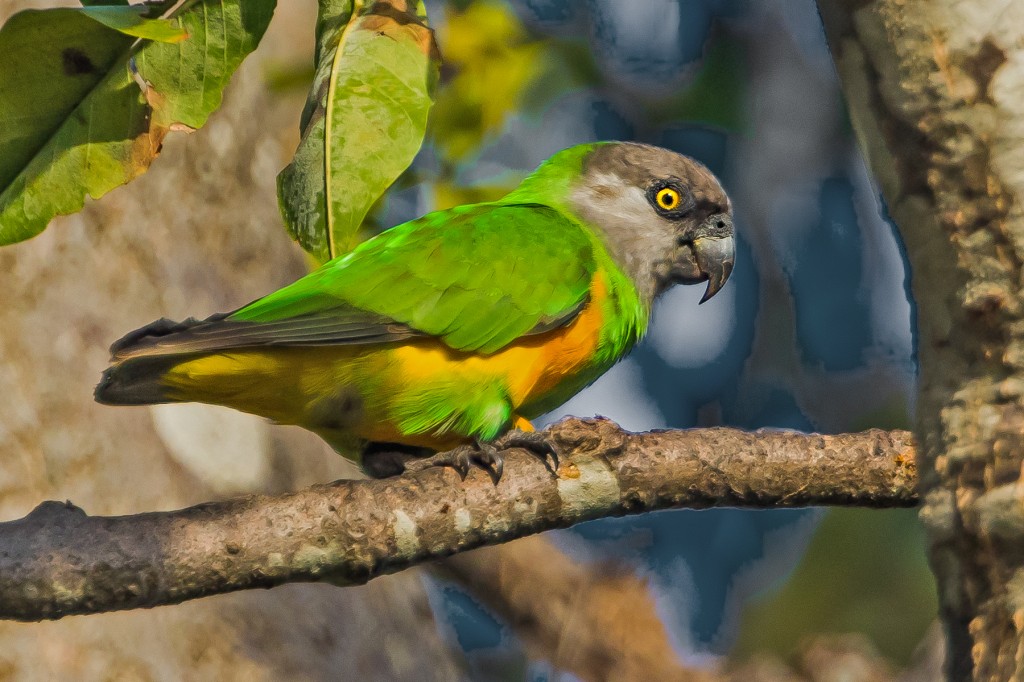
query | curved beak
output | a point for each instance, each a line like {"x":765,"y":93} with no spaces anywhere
{"x":715,"y":257}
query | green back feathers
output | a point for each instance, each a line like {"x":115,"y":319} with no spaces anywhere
{"x":478,"y":276}
{"x":552,"y":182}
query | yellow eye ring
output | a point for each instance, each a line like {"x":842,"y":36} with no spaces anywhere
{"x":667,"y":199}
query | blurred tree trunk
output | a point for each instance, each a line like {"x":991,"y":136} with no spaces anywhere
{"x":936,"y":95}
{"x":201,"y":232}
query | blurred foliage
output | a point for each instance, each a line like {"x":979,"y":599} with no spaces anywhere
{"x":284,"y":77}
{"x":891,"y":414}
{"x":488,"y":62}
{"x":865,"y":571}
{"x":495,"y":68}
{"x":716,"y":95}
{"x":86,"y":105}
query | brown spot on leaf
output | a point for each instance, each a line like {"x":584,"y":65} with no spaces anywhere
{"x":145,"y":147}
{"x":149,"y":137}
{"x":398,"y":10}
{"x":392,"y":19}
{"x":76,"y":62}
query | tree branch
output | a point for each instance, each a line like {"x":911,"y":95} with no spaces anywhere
{"x":59,"y":561}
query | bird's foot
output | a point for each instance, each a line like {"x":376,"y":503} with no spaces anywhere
{"x":533,"y":442}
{"x":483,"y":455}
{"x":382,"y":460}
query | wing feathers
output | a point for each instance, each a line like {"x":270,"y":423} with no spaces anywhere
{"x":475,"y":277}
{"x":217,"y":333}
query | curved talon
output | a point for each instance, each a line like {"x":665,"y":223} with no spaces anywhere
{"x":490,"y":459}
{"x":462,"y":458}
{"x":533,"y":442}
{"x":382,"y":460}
{"x":459,"y":459}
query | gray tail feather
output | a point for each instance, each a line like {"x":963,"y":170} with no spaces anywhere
{"x":136,"y":381}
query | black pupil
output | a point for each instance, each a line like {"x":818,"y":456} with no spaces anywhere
{"x":666,"y":199}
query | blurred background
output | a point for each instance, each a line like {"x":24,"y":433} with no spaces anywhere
{"x":813,"y":332}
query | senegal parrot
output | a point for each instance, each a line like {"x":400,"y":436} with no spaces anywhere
{"x":448,"y":333}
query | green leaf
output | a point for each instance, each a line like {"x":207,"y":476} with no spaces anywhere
{"x":716,"y":95}
{"x":364,"y":120}
{"x":54,"y":59}
{"x":151,"y":8}
{"x":79,"y":120}
{"x":866,"y":570}
{"x":493,"y":63}
{"x":131,"y":20}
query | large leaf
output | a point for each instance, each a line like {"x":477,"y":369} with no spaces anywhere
{"x":85,"y":107}
{"x":364,"y":121}
{"x":53,"y":58}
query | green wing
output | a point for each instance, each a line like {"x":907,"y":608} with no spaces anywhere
{"x":478,"y":277}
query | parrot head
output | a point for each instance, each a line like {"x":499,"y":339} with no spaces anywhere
{"x":663,"y":216}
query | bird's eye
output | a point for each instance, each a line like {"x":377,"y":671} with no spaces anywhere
{"x":668,"y":199}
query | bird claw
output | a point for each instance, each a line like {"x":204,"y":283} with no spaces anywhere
{"x":482,"y":455}
{"x":490,"y":459}
{"x":459,"y":459}
{"x":393,"y":460}
{"x":533,"y":442}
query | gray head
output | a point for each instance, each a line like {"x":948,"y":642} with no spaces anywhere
{"x":663,"y":216}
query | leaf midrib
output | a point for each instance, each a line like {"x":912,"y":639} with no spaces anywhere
{"x":357,"y":8}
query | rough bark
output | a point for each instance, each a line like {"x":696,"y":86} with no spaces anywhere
{"x":58,"y":561}
{"x":936,"y":96}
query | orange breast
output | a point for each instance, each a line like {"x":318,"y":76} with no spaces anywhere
{"x":530,"y":367}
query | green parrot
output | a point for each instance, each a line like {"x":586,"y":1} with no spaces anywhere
{"x":448,"y":333}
